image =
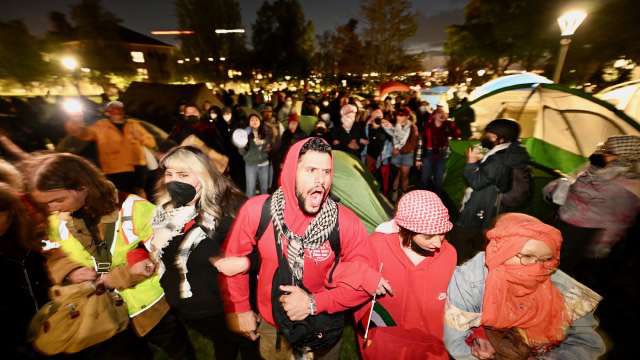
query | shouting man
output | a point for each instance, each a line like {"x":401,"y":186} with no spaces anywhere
{"x":305,"y":242}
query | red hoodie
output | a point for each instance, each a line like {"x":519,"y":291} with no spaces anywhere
{"x":347,"y":290}
{"x":417,"y":304}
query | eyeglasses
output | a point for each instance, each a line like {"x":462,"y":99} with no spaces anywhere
{"x":547,"y":263}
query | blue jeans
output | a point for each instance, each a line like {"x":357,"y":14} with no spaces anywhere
{"x":259,"y":173}
{"x":433,"y":169}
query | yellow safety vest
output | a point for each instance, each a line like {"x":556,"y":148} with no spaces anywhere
{"x":133,"y":225}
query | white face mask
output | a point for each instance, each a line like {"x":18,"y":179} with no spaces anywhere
{"x":289,"y":103}
{"x":325,"y":103}
{"x":423,"y":109}
{"x":226,"y":117}
{"x":213,"y":116}
{"x":325,"y":116}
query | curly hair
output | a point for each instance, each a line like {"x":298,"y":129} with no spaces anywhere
{"x":64,"y":171}
{"x":315,"y":144}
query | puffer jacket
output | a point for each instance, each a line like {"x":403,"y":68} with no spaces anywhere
{"x":486,"y":180}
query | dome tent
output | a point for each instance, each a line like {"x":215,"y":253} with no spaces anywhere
{"x":561,"y":126}
{"x":625,"y":97}
{"x":506,"y":81}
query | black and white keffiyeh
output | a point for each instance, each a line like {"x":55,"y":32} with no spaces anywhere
{"x":314,"y":236}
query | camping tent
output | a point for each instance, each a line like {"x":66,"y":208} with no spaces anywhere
{"x":561,"y":126}
{"x":437,"y":95}
{"x":506,"y":81}
{"x":355,"y":187}
{"x":159,"y":103}
{"x":392,"y":86}
{"x":625,"y":97}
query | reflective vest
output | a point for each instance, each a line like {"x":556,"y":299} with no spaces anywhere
{"x":133,"y":225}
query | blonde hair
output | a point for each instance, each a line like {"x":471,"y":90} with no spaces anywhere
{"x":217,"y":195}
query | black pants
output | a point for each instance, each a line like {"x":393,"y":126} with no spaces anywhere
{"x":226,"y":344}
{"x":171,"y":336}
{"x":124,"y":345}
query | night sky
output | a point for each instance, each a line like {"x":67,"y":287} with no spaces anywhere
{"x":147,"y":15}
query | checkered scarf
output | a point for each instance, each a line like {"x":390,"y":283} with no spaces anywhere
{"x":314,"y":236}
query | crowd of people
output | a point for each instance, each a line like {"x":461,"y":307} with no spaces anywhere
{"x":227,"y":227}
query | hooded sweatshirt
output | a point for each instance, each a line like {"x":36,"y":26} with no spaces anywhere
{"x":417,"y":304}
{"x":347,"y":289}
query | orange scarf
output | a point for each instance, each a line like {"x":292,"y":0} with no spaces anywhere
{"x":518,"y":296}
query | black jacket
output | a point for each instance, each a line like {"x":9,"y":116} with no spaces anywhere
{"x":487,"y":180}
{"x":202,"y":276}
{"x":343,"y":139}
{"x":377,"y":138}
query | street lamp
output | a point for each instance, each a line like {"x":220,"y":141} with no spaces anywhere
{"x":69,"y":62}
{"x":569,"y":23}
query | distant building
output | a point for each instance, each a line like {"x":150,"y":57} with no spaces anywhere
{"x":151,"y":59}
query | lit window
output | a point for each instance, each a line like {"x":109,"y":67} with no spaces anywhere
{"x":137,"y":56}
{"x":142,"y":73}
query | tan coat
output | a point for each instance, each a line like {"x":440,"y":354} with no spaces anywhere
{"x":118,"y":151}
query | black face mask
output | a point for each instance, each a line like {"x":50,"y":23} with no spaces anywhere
{"x":597,"y":160}
{"x":486,"y":143}
{"x":181,"y":193}
{"x":192,"y":119}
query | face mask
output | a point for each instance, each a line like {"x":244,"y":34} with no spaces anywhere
{"x":486,"y":143}
{"x":192,"y":119}
{"x":289,"y":103}
{"x":325,"y":116}
{"x":597,"y":160}
{"x":423,"y":109}
{"x":325,"y":103}
{"x":213,"y":116}
{"x":226,"y":117}
{"x":181,"y":193}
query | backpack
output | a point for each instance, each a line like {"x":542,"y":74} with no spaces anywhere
{"x":521,"y":188}
{"x":319,"y":331}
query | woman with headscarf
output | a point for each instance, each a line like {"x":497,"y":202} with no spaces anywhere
{"x":417,"y":261}
{"x":510,"y":302}
{"x":600,"y":206}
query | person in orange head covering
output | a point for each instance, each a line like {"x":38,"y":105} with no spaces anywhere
{"x":510,"y":302}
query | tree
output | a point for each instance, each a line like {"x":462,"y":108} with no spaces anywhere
{"x":283,"y":40}
{"x":203,"y":17}
{"x":341,"y":51}
{"x":101,"y":49}
{"x":389,"y":24}
{"x":20,"y":54}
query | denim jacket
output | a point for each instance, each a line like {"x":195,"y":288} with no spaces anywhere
{"x":464,"y":308}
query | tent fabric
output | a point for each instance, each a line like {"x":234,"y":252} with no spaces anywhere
{"x":307,"y":123}
{"x":356,"y":188}
{"x":158,"y":103}
{"x":393,"y":86}
{"x":625,"y":97}
{"x":506,"y":81}
{"x":570,"y":120}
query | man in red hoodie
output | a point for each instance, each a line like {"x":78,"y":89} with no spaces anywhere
{"x":303,"y":216}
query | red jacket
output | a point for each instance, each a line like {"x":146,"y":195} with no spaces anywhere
{"x":417,"y":304}
{"x":348,"y":288}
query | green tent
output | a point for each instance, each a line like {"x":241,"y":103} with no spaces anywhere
{"x":356,"y":188}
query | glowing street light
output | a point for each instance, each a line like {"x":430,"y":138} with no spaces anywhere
{"x":569,"y":23}
{"x":69,"y":62}
{"x":229,"y":31}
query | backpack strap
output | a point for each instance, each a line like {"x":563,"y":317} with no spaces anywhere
{"x":265,"y":219}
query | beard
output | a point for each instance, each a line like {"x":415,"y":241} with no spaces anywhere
{"x":302,"y":199}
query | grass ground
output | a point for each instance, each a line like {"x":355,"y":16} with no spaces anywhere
{"x":204,"y":347}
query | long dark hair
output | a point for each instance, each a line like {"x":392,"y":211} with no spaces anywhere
{"x":66,"y":171}
{"x":262,"y":129}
